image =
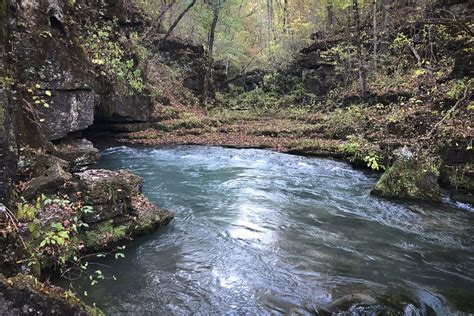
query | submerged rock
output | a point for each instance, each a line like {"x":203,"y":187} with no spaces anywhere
{"x":411,"y":177}
{"x":25,"y":295}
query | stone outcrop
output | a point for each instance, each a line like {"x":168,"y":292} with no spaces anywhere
{"x":80,"y":153}
{"x":52,"y":60}
{"x":50,"y":182}
{"x":108,"y":192}
{"x":124,"y":108}
{"x":25,"y":295}
{"x":318,"y":74}
{"x":188,"y":56}
{"x":119,"y":209}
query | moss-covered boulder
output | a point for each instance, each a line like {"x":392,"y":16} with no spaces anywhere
{"x":119,"y":210}
{"x":25,"y":295}
{"x":143,"y":217}
{"x":411,"y":177}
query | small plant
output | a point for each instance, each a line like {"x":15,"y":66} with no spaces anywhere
{"x":57,"y":236}
{"x":458,"y":87}
{"x":373,"y":162}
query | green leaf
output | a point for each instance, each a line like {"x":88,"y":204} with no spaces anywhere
{"x":64,"y":234}
{"x":48,"y":93}
{"x":119,"y":255}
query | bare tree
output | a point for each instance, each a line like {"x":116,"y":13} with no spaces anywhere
{"x":176,"y":22}
{"x":271,"y":27}
{"x":285,"y":16}
{"x":330,"y":16}
{"x":360,"y":57}
{"x":374,"y":28}
{"x":216,"y":4}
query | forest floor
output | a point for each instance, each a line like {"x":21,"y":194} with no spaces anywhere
{"x":355,"y":133}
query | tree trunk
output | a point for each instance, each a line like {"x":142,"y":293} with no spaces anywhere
{"x":164,"y":8}
{"x":374,"y":26}
{"x":330,"y":16}
{"x":175,"y":23}
{"x":210,"y":60}
{"x":385,"y":23}
{"x":270,"y":18}
{"x":285,"y":16}
{"x":360,"y":57}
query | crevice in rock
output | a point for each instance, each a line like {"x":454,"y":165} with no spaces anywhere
{"x":58,"y":25}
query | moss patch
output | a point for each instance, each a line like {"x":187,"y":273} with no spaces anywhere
{"x":103,"y":234}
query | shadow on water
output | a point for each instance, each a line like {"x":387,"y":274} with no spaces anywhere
{"x":261,"y":232}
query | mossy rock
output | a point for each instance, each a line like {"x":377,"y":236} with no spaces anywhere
{"x":414,"y":177}
{"x":104,"y":234}
{"x":25,"y":295}
{"x":144,"y":217}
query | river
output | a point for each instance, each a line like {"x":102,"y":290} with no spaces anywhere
{"x":259,"y":232}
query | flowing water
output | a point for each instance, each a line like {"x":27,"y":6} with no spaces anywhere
{"x":258,"y":232}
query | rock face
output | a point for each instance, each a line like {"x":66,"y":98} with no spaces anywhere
{"x":52,"y":60}
{"x":68,"y":111}
{"x":124,"y":108}
{"x":7,"y":139}
{"x":190,"y":57}
{"x":411,"y":177}
{"x":49,"y":51}
{"x":318,"y":75}
{"x":24,"y":295}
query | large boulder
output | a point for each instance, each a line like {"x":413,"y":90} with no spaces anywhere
{"x":412,"y":177}
{"x":141,"y":218}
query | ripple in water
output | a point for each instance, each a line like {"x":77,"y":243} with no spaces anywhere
{"x":258,"y":232}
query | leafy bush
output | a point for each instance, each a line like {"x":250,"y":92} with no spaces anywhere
{"x":107,"y":53}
